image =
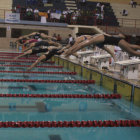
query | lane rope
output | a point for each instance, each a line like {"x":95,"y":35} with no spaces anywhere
{"x":89,"y":123}
{"x":25,"y":58}
{"x":28,"y":61}
{"x":97,"y":96}
{"x":1,"y":65}
{"x":49,"y":81}
{"x":36,"y":72}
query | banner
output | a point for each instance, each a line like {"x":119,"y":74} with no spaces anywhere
{"x":12,"y":17}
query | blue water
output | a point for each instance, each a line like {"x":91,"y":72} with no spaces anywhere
{"x":56,"y":109}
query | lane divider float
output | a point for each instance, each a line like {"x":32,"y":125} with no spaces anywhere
{"x":97,"y":96}
{"x":25,"y":58}
{"x":89,"y":123}
{"x":28,"y":61}
{"x":29,"y":66}
{"x":37,"y":72}
{"x":49,"y":81}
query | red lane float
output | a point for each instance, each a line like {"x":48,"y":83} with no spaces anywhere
{"x":29,"y":66}
{"x":25,"y":58}
{"x":9,"y":53}
{"x":28,"y":61}
{"x":36,"y":72}
{"x":89,"y":123}
{"x":49,"y":81}
{"x":109,"y":96}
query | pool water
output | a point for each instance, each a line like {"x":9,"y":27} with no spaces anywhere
{"x":56,"y":109}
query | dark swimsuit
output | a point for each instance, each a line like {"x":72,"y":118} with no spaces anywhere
{"x":112,"y":40}
{"x":41,"y":43}
{"x":53,"y":52}
{"x":39,"y":49}
{"x":109,"y":40}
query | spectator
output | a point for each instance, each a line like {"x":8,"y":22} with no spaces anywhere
{"x":102,"y":8}
{"x":59,"y":38}
{"x":73,"y":18}
{"x":98,"y":6}
{"x":71,"y":40}
{"x":132,"y":3}
{"x":124,"y":12}
{"x":29,"y":13}
{"x":36,"y":14}
{"x":49,"y":13}
{"x":17,"y":9}
{"x":54,"y":35}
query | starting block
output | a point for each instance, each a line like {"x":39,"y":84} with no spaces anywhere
{"x":100,"y":60}
{"x":84,"y":56}
{"x":129,"y":68}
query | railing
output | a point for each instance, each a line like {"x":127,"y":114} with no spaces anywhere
{"x":84,"y":20}
{"x":125,"y":22}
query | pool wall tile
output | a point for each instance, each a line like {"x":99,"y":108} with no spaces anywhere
{"x":71,"y":66}
{"x":78,"y":69}
{"x":137,"y":96}
{"x":86,"y":73}
{"x":65,"y":64}
{"x":96,"y":76}
{"x":108,"y":82}
{"x":124,"y":89}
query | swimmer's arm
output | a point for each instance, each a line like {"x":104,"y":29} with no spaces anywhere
{"x":54,"y":43}
{"x":30,"y":46}
{"x":42,"y":57}
{"x":110,"y":52}
{"x":46,"y":36}
{"x":19,"y":56}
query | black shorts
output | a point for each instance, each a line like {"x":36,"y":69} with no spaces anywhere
{"x":41,"y":43}
{"x":39,"y":50}
{"x":111,"y":40}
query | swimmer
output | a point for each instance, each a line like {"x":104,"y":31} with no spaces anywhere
{"x":50,"y":53}
{"x":39,"y":47}
{"x":42,"y":43}
{"x":35,"y":35}
{"x":105,"y":39}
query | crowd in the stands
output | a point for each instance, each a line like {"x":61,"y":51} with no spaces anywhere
{"x":80,"y":16}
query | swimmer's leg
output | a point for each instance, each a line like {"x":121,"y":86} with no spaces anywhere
{"x":110,"y":52}
{"x":128,"y":48}
{"x":24,"y":54}
{"x":30,"y":46}
{"x":41,"y":58}
{"x":94,"y":40}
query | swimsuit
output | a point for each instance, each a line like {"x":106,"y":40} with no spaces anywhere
{"x":39,"y":49}
{"x":41,"y":43}
{"x":109,"y":40}
{"x":53,"y":52}
{"x":112,"y":40}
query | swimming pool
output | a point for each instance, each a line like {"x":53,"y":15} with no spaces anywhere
{"x":61,"y":109}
